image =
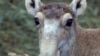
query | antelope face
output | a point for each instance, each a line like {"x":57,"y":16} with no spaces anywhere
{"x":55,"y":24}
{"x":54,"y":21}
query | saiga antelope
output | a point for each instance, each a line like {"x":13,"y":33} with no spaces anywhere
{"x":59,"y":30}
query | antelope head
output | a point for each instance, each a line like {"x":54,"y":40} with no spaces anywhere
{"x":55,"y":23}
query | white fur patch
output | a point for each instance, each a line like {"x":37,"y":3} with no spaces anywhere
{"x":48,"y":48}
{"x":50,"y":29}
{"x":48,"y":45}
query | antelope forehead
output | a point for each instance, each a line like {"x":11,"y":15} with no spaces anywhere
{"x":55,"y":10}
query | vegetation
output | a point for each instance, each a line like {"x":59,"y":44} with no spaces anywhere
{"x":17,"y":30}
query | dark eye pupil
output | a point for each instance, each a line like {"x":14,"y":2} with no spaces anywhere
{"x":69,"y":22}
{"x":36,"y":20}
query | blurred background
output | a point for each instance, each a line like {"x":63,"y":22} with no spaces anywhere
{"x":18,"y":33}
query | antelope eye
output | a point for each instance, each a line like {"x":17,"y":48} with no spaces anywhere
{"x":69,"y":22}
{"x":36,"y":20}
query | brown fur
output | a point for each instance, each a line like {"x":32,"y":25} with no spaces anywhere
{"x":87,"y":40}
{"x":55,"y":10}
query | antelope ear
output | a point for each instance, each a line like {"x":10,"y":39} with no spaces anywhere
{"x":33,"y":6}
{"x":78,"y":6}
